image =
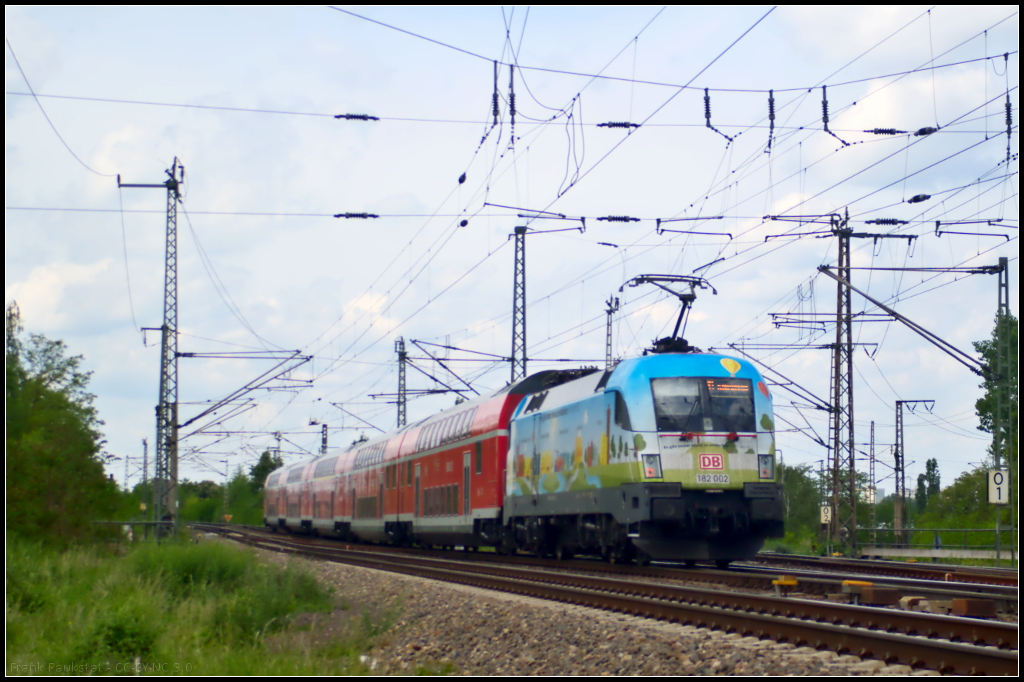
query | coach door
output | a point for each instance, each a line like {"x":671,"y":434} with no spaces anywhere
{"x":465,"y":483}
{"x":417,"y":492}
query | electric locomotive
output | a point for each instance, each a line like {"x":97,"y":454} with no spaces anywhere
{"x":667,"y":456}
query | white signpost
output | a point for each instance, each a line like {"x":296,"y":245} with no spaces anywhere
{"x":999,"y":486}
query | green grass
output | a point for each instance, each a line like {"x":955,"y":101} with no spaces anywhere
{"x":207,"y":609}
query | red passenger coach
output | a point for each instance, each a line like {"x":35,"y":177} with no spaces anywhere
{"x":437,"y":482}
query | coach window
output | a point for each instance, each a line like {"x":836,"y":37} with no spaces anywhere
{"x":621,"y":412}
{"x":479,"y":458}
{"x":460,"y":432}
{"x":455,"y":432}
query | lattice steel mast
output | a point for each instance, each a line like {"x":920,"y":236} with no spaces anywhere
{"x":1003,"y":425}
{"x":613,"y":307}
{"x":519,"y":307}
{"x":402,"y":394}
{"x":842,"y":467}
{"x":165,"y":482}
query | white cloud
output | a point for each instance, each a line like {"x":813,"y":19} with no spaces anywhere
{"x":42,"y":296}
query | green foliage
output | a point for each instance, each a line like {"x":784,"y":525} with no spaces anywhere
{"x":1005,"y":330}
{"x":265,"y":604}
{"x":1001,"y":395}
{"x":964,"y":505}
{"x":245,"y":504}
{"x":801,"y":502}
{"x":259,"y":471}
{"x":927,"y":484}
{"x":184,"y":569}
{"x":56,"y":486}
{"x":204,"y":502}
{"x":204,"y":609}
{"x":200,"y":502}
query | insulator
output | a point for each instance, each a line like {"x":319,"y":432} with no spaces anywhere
{"x":494,"y":105}
{"x":357,"y":117}
{"x":771,"y":105}
{"x":707,"y":106}
{"x":619,"y":219}
{"x":885,"y":131}
{"x":1009,"y":115}
{"x":886,"y":221}
{"x":618,"y":124}
{"x":918,"y":198}
{"x":925,"y":131}
{"x":824,"y":107}
{"x":512,"y":103}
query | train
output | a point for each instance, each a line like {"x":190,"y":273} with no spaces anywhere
{"x":669,"y":456}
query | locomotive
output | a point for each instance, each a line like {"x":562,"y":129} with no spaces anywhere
{"x":669,"y":456}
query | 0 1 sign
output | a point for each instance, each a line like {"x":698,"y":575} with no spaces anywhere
{"x":999,"y":486}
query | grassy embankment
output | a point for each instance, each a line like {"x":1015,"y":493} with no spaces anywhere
{"x":206,"y":609}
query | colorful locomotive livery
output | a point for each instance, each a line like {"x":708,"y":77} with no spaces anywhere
{"x":667,"y":456}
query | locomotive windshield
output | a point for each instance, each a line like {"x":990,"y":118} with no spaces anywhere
{"x":703,"y":404}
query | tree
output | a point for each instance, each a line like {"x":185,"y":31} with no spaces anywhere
{"x":998,"y":408}
{"x":801,"y":502}
{"x":56,"y":486}
{"x":927,"y":484}
{"x":258,"y":472}
{"x":1005,"y":332}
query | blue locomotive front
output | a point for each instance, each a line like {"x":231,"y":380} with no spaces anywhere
{"x":667,"y":456}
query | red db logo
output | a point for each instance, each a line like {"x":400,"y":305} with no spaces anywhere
{"x":712,"y":462}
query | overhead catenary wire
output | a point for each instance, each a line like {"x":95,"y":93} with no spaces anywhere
{"x":47,"y":117}
{"x":734,"y":196}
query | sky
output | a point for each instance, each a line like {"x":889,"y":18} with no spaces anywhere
{"x":246,"y":99}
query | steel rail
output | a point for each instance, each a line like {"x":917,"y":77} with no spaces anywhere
{"x":891,"y":568}
{"x":737,"y":613}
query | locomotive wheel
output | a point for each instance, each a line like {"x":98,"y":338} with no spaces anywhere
{"x":617,"y":555}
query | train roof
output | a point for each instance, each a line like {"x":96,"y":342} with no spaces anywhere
{"x":558,"y":387}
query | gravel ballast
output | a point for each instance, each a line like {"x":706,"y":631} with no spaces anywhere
{"x":431,"y":626}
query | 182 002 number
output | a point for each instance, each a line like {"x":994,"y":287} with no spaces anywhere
{"x":712,"y":478}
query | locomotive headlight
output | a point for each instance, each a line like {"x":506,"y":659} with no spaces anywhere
{"x":652,"y":466}
{"x":765,"y":466}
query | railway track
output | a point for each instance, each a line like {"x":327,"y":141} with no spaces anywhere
{"x":892,"y":569}
{"x":943,"y":643}
{"x":821,"y":582}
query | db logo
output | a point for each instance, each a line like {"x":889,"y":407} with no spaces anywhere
{"x":712,"y":462}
